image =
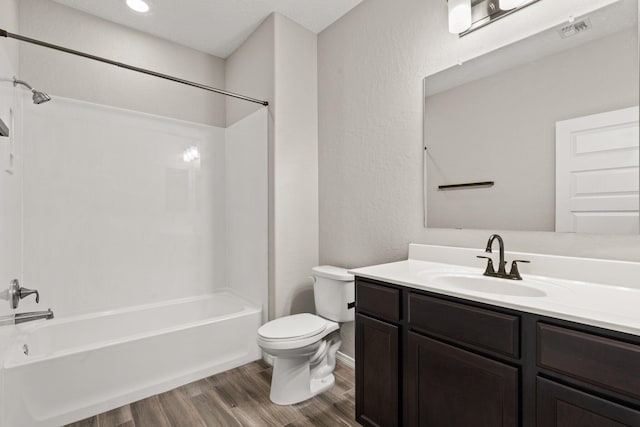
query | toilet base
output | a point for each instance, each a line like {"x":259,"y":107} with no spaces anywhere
{"x":291,"y":381}
{"x":322,"y":385}
{"x":297,"y":378}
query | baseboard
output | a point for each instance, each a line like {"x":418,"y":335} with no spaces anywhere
{"x":347,"y":360}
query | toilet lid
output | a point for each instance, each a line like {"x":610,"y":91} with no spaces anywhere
{"x":296,"y":326}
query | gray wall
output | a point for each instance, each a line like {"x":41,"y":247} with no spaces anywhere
{"x":278,"y":62}
{"x":371,"y":66}
{"x":9,"y":21}
{"x":508,"y":133}
{"x":64,"y":75}
{"x":250,"y":69}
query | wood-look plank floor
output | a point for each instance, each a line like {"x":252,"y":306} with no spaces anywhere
{"x":236,"y":398}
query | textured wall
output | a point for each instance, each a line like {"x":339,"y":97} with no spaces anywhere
{"x":73,"y":77}
{"x":278,"y":63}
{"x":9,"y":21}
{"x":295,"y":166}
{"x":371,"y":66}
{"x":250,"y":70}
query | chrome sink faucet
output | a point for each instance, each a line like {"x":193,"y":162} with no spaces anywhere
{"x":514,"y":274}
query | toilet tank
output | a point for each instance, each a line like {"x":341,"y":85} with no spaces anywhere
{"x":333,"y":289}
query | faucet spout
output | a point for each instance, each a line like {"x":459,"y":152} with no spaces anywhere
{"x":33,"y":315}
{"x":514,"y":274}
{"x":15,"y":319}
{"x":502,"y":262}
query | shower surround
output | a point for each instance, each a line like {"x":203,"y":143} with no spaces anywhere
{"x":137,"y":230}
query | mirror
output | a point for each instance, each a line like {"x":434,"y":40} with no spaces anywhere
{"x":547,"y":126}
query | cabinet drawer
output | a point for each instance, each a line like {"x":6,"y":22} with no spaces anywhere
{"x":489,"y":330}
{"x":604,"y":362}
{"x":562,"y":406}
{"x":377,"y":300}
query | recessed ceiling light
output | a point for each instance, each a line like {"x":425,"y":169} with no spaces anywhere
{"x":138,"y":5}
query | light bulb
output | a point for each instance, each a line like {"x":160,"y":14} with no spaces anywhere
{"x":511,"y":4}
{"x":459,"y":16}
{"x":138,"y":5}
{"x":191,"y":154}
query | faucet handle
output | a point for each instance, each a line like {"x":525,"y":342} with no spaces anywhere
{"x":490,"y":269}
{"x":24,"y":292}
{"x":17,"y":292}
{"x":514,"y":268}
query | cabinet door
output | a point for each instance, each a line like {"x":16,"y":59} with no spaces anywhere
{"x":447,"y":386}
{"x":376,"y":372}
{"x":561,"y":406}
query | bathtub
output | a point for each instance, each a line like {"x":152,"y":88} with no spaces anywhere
{"x":67,"y":369}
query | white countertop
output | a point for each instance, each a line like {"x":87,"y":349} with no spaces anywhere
{"x":612,"y":306}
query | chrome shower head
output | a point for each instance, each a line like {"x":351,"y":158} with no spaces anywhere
{"x":38,"y":97}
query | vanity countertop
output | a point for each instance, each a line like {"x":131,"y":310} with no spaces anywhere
{"x":595,"y":292}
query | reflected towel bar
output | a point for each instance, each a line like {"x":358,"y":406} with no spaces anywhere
{"x":466,"y":185}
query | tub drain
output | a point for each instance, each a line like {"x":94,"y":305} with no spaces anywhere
{"x":25,"y":349}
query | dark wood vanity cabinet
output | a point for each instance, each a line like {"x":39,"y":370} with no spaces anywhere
{"x":430,"y":360}
{"x":377,"y":372}
{"x":378,"y":347}
{"x":563,"y":406}
{"x":448,"y":386}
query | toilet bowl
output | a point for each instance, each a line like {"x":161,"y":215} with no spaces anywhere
{"x":304,"y":346}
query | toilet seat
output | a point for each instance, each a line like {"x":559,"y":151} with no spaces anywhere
{"x":294,"y":327}
{"x":294,"y":332}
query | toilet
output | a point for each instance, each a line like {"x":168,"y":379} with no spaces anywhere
{"x":304,"y":346}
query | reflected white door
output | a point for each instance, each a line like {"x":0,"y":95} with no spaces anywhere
{"x":597,"y":176}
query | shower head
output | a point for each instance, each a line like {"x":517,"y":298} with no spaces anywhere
{"x":38,"y":97}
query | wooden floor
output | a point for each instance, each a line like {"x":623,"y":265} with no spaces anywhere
{"x":239,"y":397}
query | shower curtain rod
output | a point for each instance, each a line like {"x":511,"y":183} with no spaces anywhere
{"x":4,"y":33}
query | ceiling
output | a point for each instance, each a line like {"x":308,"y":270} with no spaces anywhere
{"x":217,"y":27}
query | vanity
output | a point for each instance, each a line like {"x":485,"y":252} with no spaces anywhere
{"x":440,"y":344}
{"x":553,"y":342}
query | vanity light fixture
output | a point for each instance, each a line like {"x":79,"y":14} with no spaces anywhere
{"x":459,"y":16}
{"x":466,"y":16}
{"x":138,"y":5}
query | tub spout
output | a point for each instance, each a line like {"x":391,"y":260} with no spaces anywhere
{"x":15,"y":319}
{"x":34,"y":315}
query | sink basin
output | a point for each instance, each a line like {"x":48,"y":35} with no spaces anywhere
{"x":488,"y":285}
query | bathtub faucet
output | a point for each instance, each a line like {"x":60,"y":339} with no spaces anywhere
{"x":33,"y":315}
{"x":15,"y":319}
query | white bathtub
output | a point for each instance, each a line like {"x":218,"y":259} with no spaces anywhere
{"x":80,"y":366}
